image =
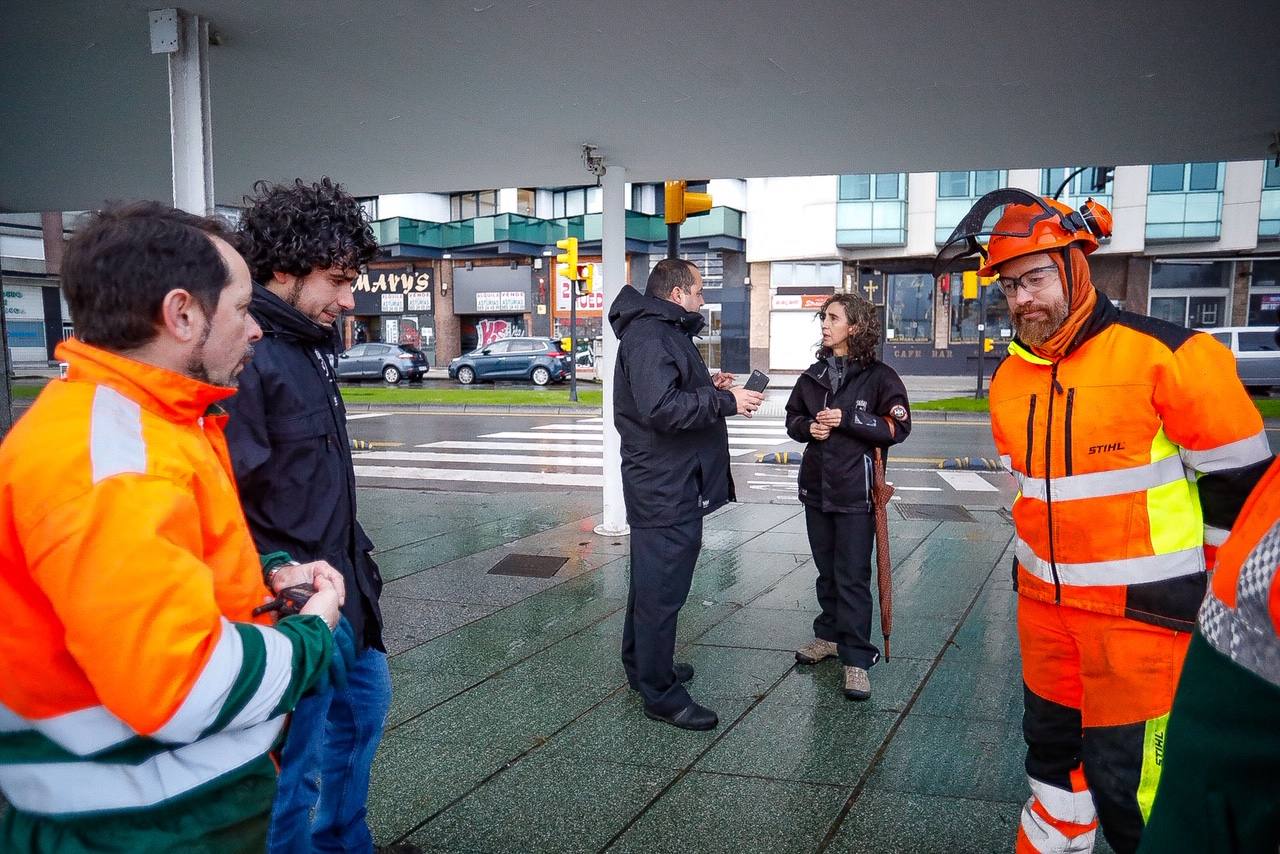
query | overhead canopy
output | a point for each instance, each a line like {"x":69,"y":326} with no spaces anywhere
{"x":408,"y":95}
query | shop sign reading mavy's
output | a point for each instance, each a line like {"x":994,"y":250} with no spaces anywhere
{"x":380,"y":281}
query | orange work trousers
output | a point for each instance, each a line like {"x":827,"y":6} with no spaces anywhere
{"x":1097,"y":690}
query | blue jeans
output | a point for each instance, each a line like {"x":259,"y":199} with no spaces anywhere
{"x":320,"y":803}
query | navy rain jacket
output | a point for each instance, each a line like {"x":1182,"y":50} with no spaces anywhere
{"x":675,"y":445}
{"x":288,"y":439}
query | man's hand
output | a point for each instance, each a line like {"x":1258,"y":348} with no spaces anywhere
{"x":722,"y":380}
{"x":325,"y":603}
{"x":830,"y":417}
{"x":748,"y":401}
{"x":819,"y":431}
{"x":292,"y":575}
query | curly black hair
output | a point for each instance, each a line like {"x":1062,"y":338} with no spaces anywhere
{"x":303,"y":227}
{"x":864,"y":322}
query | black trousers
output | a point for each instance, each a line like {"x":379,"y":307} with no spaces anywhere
{"x":662,"y":561}
{"x":841,"y":545}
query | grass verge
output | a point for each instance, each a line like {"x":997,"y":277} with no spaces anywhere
{"x":558,"y":396}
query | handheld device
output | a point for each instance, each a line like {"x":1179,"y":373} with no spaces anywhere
{"x":758,"y":381}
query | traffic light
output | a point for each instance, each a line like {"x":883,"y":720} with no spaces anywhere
{"x":988,"y":345}
{"x":587,"y":276}
{"x":969,"y":279}
{"x":567,"y":261}
{"x":680,"y":203}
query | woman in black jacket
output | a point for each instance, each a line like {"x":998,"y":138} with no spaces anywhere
{"x":847,"y":404}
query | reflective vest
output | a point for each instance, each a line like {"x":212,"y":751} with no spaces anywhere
{"x":1241,"y":615}
{"x":1108,"y":445}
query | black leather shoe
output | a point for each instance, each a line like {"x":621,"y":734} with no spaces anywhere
{"x":692,"y":716}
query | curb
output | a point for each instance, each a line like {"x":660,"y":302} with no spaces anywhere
{"x":474,"y":408}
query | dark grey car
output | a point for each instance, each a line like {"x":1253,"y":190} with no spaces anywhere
{"x":392,"y":362}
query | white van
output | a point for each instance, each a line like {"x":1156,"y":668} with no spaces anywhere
{"x":1257,"y":356}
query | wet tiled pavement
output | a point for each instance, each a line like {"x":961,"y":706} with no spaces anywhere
{"x":512,"y":729}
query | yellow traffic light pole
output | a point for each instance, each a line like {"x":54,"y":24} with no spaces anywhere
{"x":569,"y":260}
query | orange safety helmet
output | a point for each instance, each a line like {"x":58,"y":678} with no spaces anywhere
{"x":1045,"y":233}
{"x":1026,"y":224}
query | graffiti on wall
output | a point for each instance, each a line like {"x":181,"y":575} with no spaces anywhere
{"x":490,"y":330}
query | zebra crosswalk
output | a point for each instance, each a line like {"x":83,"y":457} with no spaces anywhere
{"x":564,"y":452}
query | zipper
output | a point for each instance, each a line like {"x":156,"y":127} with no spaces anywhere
{"x":1055,"y":388}
{"x":1031,"y":432}
{"x":1071,"y":402}
{"x":866,"y":478}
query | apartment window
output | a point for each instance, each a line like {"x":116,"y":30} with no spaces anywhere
{"x":526,"y":202}
{"x":952,"y":185}
{"x":473,"y":204}
{"x":370,"y":206}
{"x":576,"y":201}
{"x":1083,"y":185}
{"x":872,"y":210}
{"x":1271,"y":177}
{"x":1186,"y":177}
{"x":798,"y":274}
{"x":855,"y":187}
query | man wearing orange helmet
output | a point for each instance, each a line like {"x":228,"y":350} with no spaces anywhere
{"x":1134,"y":446}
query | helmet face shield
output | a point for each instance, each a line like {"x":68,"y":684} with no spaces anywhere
{"x":990,"y":217}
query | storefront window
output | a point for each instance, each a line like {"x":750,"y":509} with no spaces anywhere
{"x":910,"y":307}
{"x":967,"y":314}
{"x":1264,"y":294}
{"x":708,"y":340}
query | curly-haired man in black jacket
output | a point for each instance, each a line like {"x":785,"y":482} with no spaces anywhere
{"x":305,"y":245}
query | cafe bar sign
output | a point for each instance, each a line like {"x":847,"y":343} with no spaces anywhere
{"x":393,"y":292}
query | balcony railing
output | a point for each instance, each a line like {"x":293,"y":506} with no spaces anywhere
{"x":1184,"y":216}
{"x":879,"y":222}
{"x":517,"y":228}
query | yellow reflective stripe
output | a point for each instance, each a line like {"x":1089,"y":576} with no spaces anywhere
{"x":1252,"y":449}
{"x":1017,"y":350}
{"x":1152,"y":762}
{"x":1173,"y":515}
{"x":1132,"y":570}
{"x":1101,"y":484}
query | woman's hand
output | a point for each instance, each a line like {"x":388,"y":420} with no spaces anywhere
{"x":819,"y":431}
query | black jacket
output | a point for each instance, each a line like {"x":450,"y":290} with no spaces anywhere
{"x":836,"y":473}
{"x":288,"y":439}
{"x":675,"y":446}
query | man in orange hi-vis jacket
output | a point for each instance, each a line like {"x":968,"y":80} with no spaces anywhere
{"x":141,"y":694}
{"x":1134,"y":446}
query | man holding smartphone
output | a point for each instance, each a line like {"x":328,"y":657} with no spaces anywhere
{"x":670,"y":413}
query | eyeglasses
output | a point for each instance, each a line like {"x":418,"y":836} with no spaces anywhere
{"x":1032,"y":281}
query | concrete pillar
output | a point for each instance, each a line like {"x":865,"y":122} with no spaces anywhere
{"x":613,"y":248}
{"x":185,"y":38}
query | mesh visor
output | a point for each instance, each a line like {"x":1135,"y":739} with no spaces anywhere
{"x":980,"y":224}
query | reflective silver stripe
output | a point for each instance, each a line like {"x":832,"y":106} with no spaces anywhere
{"x":1133,"y":570}
{"x":1046,"y":838}
{"x":1007,"y":462}
{"x":1075,"y":807}
{"x":76,"y":787}
{"x":116,"y":445}
{"x":205,"y":699}
{"x":277,"y":673}
{"x":81,"y":732}
{"x":1103,"y":483}
{"x":1245,"y":633}
{"x":1215,"y":536}
{"x":1245,"y":452}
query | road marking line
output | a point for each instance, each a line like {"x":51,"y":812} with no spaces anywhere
{"x":359,"y":415}
{"x":917,"y":488}
{"x":578,"y":437}
{"x":480,"y":475}
{"x":578,"y":447}
{"x":967,"y":481}
{"x":500,"y":459}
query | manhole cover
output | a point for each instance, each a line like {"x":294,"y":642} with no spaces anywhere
{"x":934,"y":512}
{"x":528,"y":566}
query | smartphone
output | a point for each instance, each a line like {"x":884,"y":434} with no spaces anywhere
{"x":758,"y":381}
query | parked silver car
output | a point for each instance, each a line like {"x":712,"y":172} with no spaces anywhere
{"x":1257,"y":356}
{"x":392,"y":362}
